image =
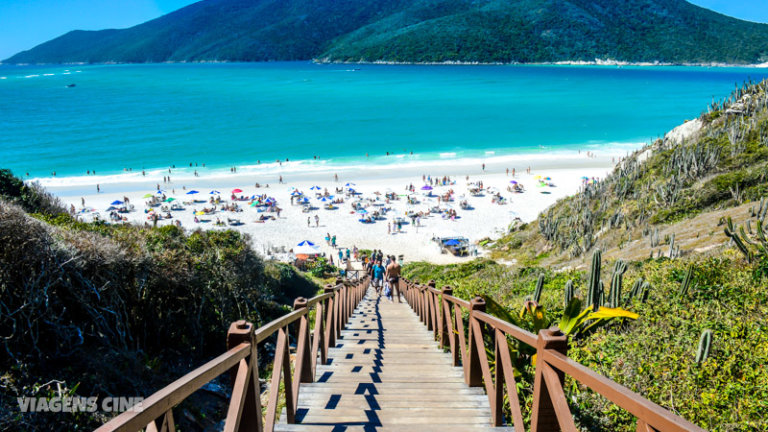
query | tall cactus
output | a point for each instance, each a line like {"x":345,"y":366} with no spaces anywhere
{"x":686,"y":281}
{"x":569,"y":293}
{"x":705,"y":343}
{"x":593,"y":289}
{"x":617,"y":280}
{"x":539,"y":287}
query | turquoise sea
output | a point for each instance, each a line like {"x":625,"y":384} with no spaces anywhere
{"x":154,"y":116}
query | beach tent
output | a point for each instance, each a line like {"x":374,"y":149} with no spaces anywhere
{"x":452,"y":242}
{"x":192,"y":192}
{"x":117,"y":202}
{"x":306,"y":248}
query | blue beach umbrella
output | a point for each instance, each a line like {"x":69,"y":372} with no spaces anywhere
{"x":426,"y":187}
{"x":349,"y":184}
{"x":215,"y":192}
{"x":296,"y":193}
{"x":325,"y":199}
{"x":315,"y":188}
{"x":452,"y":242}
{"x":117,"y":202}
{"x":192,"y":192}
{"x":160,"y":192}
{"x":362,"y":211}
{"x":306,"y":243}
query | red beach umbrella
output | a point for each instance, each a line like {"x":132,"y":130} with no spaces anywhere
{"x":237,"y":191}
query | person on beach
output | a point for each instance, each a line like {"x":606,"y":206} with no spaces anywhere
{"x":98,"y":189}
{"x":333,"y":240}
{"x":392,"y":274}
{"x":317,"y":221}
{"x":309,"y":221}
{"x":341,"y":256}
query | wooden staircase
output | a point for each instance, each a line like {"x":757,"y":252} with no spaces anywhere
{"x":387,"y":373}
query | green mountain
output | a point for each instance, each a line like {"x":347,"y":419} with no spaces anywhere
{"x":420,"y":31}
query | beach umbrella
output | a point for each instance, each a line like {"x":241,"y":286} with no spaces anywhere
{"x":237,"y":191}
{"x":160,"y":192}
{"x":513,"y":182}
{"x":170,"y":199}
{"x":326,"y":199}
{"x":547,"y":178}
{"x":452,"y":242}
{"x":192,"y":192}
{"x":537,"y":177}
{"x":305,"y":243}
{"x":584,"y":178}
{"x":362,"y":211}
{"x":426,"y":187}
{"x":296,"y":193}
{"x":117,"y":202}
{"x":304,"y":200}
{"x":214,"y":192}
{"x":110,"y":208}
{"x":269,"y":200}
{"x":315,"y":187}
{"x":148,"y":196}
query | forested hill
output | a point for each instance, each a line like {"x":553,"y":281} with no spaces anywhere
{"x":672,"y":31}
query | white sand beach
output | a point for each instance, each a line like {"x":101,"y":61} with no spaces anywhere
{"x":486,"y":218}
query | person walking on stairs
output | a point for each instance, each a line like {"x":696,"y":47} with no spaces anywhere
{"x":393,"y":277}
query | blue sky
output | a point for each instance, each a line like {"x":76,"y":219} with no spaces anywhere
{"x":26,"y":23}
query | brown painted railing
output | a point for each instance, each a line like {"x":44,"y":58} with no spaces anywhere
{"x":443,"y":313}
{"x":332,"y":310}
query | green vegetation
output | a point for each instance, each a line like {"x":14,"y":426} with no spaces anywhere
{"x":720,"y":384}
{"x":421,"y":31}
{"x":96,"y":309}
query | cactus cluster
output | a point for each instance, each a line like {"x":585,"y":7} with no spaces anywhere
{"x":578,"y":224}
{"x":594,"y":287}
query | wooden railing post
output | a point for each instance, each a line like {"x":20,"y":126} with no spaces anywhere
{"x":447,"y":337}
{"x":544,"y":416}
{"x":330,"y":319}
{"x":245,"y":406}
{"x":303,"y":360}
{"x":473,"y":372}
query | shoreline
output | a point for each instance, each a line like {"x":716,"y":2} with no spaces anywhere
{"x":273,"y":238}
{"x":319,"y":170}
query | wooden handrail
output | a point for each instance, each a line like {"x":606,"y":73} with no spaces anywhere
{"x":332,"y":310}
{"x":440,"y":311}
